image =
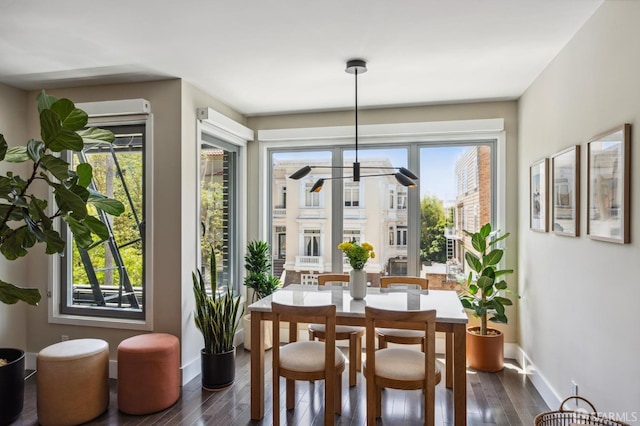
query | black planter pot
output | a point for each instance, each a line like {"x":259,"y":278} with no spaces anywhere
{"x":11,"y":385}
{"x":218,"y":370}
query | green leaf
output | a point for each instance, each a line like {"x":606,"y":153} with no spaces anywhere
{"x":56,"y":166}
{"x":81,"y":192}
{"x":3,"y":147}
{"x":473,"y":289}
{"x":479,"y":243}
{"x":28,"y":239}
{"x":11,"y":246}
{"x":32,"y":225}
{"x":72,"y":118}
{"x":45,"y":101}
{"x":55,"y":244}
{"x":69,"y":202}
{"x":504,"y":272}
{"x":66,"y":139}
{"x":499,"y":238}
{"x":50,"y":126}
{"x":95,"y":135}
{"x":17,"y":154}
{"x":11,"y":294}
{"x":81,"y":232}
{"x":15,"y":214}
{"x":473,"y":261}
{"x":107,"y":205}
{"x":502,"y":319}
{"x":501,"y":285}
{"x":35,"y":149}
{"x":485,"y":230}
{"x":85,"y":174}
{"x":97,"y":227}
{"x":503,"y":301}
{"x":493,"y":258}
{"x":5,"y":186}
{"x":485,"y":282}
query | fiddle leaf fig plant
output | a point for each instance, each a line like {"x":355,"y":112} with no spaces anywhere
{"x":26,"y":219}
{"x":483,"y":286}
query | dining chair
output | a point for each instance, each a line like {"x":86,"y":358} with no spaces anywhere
{"x":308,"y":361}
{"x":397,"y":367}
{"x":343,"y":332}
{"x":404,"y":337}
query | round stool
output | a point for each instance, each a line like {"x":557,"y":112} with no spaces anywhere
{"x":72,"y":382}
{"x":148,"y":373}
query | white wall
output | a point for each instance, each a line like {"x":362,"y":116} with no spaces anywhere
{"x":579,"y":307}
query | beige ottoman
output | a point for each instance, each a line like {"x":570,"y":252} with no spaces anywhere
{"x":72,"y":382}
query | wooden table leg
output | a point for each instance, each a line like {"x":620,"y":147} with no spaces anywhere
{"x":257,"y":367}
{"x":448,"y":360}
{"x":460,"y":374}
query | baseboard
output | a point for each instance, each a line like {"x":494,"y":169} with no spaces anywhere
{"x":190,"y":370}
{"x":542,"y":385}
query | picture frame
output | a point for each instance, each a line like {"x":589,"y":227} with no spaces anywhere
{"x":538,"y":196}
{"x":608,"y":185}
{"x":565,"y":192}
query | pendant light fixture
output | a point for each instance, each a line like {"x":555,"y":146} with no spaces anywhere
{"x":404,"y":176}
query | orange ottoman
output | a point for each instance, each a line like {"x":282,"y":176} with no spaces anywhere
{"x":72,"y":382}
{"x":148,"y":373}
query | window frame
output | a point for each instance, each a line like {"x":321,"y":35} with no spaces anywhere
{"x":409,"y":135}
{"x":113,"y":113}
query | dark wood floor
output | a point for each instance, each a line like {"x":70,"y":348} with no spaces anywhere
{"x":504,"y":398}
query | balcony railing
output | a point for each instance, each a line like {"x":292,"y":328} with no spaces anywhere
{"x":279,"y":212}
{"x":311,"y":263}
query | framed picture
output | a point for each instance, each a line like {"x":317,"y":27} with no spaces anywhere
{"x":608,"y":169}
{"x":565,"y":195}
{"x":538,"y":211}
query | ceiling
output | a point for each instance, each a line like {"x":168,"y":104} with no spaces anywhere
{"x":277,"y":56}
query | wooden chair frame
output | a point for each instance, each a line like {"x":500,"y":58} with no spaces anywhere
{"x":331,"y":375}
{"x":354,"y":337}
{"x":424,"y":320}
{"x":384,"y":338}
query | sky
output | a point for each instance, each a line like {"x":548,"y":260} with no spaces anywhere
{"x":437,"y":165}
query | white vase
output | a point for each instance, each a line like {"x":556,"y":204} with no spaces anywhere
{"x":358,"y":283}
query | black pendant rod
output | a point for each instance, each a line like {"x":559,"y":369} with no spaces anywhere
{"x":356,"y":112}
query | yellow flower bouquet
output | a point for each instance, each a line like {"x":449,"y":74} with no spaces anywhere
{"x":358,"y":254}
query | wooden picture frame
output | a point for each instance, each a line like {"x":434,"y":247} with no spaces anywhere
{"x":538,"y":196}
{"x":565,"y":192}
{"x":608,"y":185}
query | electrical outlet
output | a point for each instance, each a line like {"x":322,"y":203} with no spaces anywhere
{"x":64,"y":338}
{"x":574,"y":388}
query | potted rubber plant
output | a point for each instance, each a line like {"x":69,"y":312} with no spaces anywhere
{"x":483,"y":293}
{"x":26,"y":219}
{"x":257,"y":262}
{"x":217,"y":317}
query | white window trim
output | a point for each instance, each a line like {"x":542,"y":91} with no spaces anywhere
{"x":108,"y":113}
{"x":388,"y":134}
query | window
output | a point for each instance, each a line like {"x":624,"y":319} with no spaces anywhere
{"x":351,"y":194}
{"x":108,"y":280}
{"x":312,"y":242}
{"x":403,"y":235}
{"x":402,"y":199}
{"x":351,"y":235}
{"x":218,"y":171}
{"x":311,"y":199}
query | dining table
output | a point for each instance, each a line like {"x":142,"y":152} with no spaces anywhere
{"x":451,"y":319}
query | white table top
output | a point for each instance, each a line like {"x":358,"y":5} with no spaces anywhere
{"x":445,"y":302}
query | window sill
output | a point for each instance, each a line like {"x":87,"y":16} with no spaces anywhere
{"x":88,"y":321}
